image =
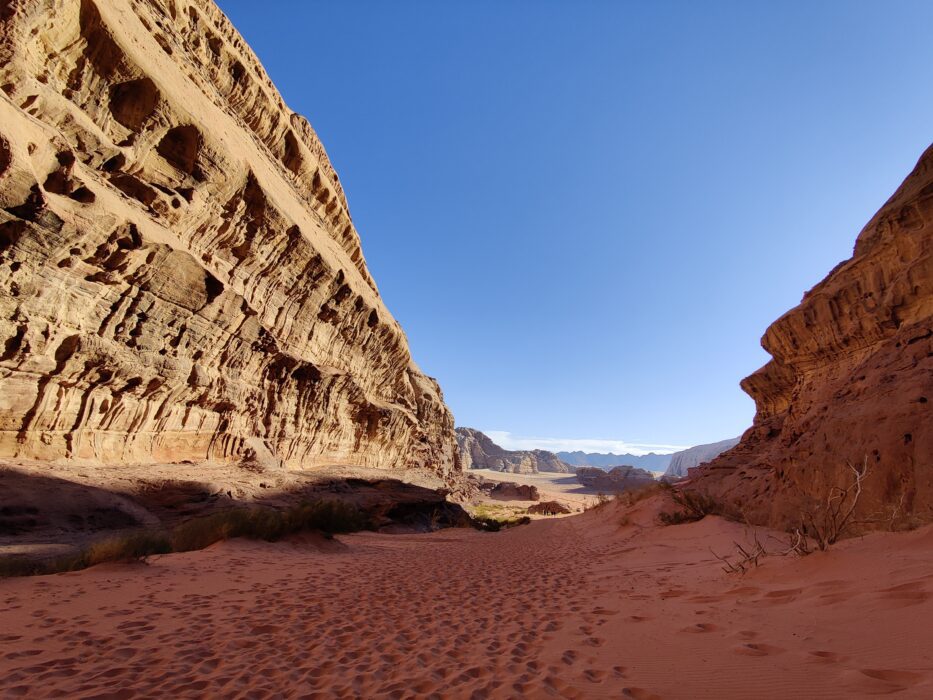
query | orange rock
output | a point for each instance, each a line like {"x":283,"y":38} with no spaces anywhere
{"x":180,"y":278}
{"x":850,"y":382}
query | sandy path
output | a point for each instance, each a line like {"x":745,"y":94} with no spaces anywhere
{"x":576,"y":607}
{"x":551,"y":486}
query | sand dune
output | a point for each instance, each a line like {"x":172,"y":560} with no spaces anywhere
{"x":576,"y":607}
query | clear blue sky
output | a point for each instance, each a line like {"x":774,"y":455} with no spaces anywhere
{"x":585,"y":214}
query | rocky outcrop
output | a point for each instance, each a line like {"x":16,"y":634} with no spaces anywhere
{"x":695,"y":456}
{"x":652,"y":461}
{"x":180,"y":278}
{"x":615,"y":480}
{"x":509,"y":490}
{"x":477,"y":451}
{"x":850,"y":383}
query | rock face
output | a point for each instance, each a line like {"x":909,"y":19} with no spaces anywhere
{"x":651,"y":461}
{"x":695,"y":456}
{"x":180,"y":278}
{"x":851,"y":381}
{"x":616,"y":479}
{"x":477,"y":451}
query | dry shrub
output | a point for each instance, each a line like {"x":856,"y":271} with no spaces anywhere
{"x":694,"y":505}
{"x":329,"y":516}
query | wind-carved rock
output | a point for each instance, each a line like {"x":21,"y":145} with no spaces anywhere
{"x":180,"y":278}
{"x":850,"y":384}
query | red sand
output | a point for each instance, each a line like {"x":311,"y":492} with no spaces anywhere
{"x":576,"y":607}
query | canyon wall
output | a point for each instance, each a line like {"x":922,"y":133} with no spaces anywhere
{"x":850,"y":383}
{"x":478,"y":451}
{"x":180,"y":278}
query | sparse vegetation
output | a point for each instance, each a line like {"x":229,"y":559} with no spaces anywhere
{"x":630,"y":497}
{"x":830,"y":517}
{"x":495,"y":517}
{"x":743,"y":559}
{"x":328,"y":516}
{"x":133,"y":546}
{"x":694,"y":505}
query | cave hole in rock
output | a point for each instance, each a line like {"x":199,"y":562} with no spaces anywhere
{"x":292,"y":156}
{"x":181,"y":147}
{"x":133,"y":102}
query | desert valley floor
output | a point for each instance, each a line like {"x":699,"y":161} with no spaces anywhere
{"x":583,"y":606}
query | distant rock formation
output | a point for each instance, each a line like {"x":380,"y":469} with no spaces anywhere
{"x":850,"y":383}
{"x":616,"y":479}
{"x":478,"y":451}
{"x":695,"y":456}
{"x":509,"y":490}
{"x":652,"y":461}
{"x":180,"y":278}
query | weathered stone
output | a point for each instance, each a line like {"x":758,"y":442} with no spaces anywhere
{"x":180,"y":278}
{"x":850,"y":383}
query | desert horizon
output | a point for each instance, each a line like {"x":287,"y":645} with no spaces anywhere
{"x":628,"y":396}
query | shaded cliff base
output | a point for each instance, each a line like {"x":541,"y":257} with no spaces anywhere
{"x":63,"y":517}
{"x":610,"y":605}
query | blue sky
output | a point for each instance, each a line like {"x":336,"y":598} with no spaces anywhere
{"x":585,"y":214}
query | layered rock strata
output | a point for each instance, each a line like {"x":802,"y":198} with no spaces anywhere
{"x":850,"y":384}
{"x":180,"y":278}
{"x":478,"y":451}
{"x":615,"y":480}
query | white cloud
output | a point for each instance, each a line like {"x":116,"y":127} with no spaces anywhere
{"x":509,"y":441}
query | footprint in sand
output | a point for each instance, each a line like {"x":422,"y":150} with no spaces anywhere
{"x":639,"y":694}
{"x":882,"y":681}
{"x":912,"y":593}
{"x":780,"y":597}
{"x":825,"y":656}
{"x":700,"y":627}
{"x":904,"y":678}
{"x":756,"y":649}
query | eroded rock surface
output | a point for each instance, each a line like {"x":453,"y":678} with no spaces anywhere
{"x":850,"y":383}
{"x":478,"y":451}
{"x":180,"y":278}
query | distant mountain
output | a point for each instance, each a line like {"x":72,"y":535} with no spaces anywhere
{"x":478,"y":451}
{"x":695,"y":456}
{"x":652,"y":461}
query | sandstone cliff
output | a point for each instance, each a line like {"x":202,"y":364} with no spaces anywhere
{"x":697,"y":455}
{"x":851,"y":381}
{"x":477,"y":451}
{"x":180,"y":278}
